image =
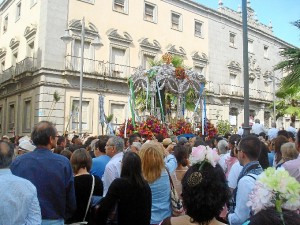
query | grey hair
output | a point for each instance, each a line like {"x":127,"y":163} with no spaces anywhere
{"x":257,"y":121}
{"x":289,"y":151}
{"x":6,"y":154}
{"x":118,"y":142}
{"x":222,"y":146}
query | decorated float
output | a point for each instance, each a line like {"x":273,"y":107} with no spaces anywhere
{"x":161,"y":96}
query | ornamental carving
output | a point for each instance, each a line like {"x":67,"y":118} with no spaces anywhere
{"x":114,"y":35}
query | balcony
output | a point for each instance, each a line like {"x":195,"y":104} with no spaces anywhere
{"x":25,"y":66}
{"x":91,"y":66}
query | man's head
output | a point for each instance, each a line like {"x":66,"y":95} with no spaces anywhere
{"x":257,"y":121}
{"x":6,"y":154}
{"x":223,"y":147}
{"x":44,"y":134}
{"x":114,"y":145}
{"x":61,"y":141}
{"x":100,"y":145}
{"x":248,"y":149}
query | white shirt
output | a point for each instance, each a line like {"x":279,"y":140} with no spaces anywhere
{"x":112,"y":171}
{"x":234,"y":174}
{"x":257,"y":128}
{"x":240,"y":131}
{"x":272,"y":133}
{"x":222,"y":161}
{"x":242,"y":211}
{"x":292,"y":129}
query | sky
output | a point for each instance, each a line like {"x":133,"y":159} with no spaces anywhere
{"x":280,"y":12}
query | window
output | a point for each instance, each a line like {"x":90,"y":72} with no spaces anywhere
{"x":118,"y":111}
{"x":5,"y":24}
{"x":150,"y":12}
{"x":198,"y":29}
{"x":233,"y":84}
{"x":86,"y":115}
{"x":11,"y":119}
{"x":232,"y":40}
{"x":27,"y":116}
{"x":266,"y":51}
{"x":119,"y":62}
{"x":120,"y":6}
{"x":14,"y":58}
{"x":18,"y":12}
{"x":30,"y":50}
{"x":88,"y":56}
{"x":146,"y":59}
{"x":250,"y":46}
{"x":176,"y":20}
{"x":199,"y":69}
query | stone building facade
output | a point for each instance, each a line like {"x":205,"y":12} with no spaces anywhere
{"x":35,"y":62}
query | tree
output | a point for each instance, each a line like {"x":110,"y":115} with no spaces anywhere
{"x":289,"y":91}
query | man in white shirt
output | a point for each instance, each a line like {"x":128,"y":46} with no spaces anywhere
{"x":114,"y":149}
{"x":248,"y":152}
{"x":257,"y":128}
{"x":273,"y":131}
{"x":292,"y":129}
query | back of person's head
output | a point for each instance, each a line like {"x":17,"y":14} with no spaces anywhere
{"x":66,"y":153}
{"x":81,"y":159}
{"x":257,"y":121}
{"x":223,"y":147}
{"x":263,"y":135}
{"x":88,"y":142}
{"x":199,"y":142}
{"x":74,"y":147}
{"x":283,"y":133}
{"x":133,"y":138}
{"x":278,"y":142}
{"x":289,"y":151}
{"x":74,"y":138}
{"x":6,"y":154}
{"x":204,"y":192}
{"x":181,"y":154}
{"x":227,"y":135}
{"x":118,"y":142}
{"x":101,"y":143}
{"x":291,"y":136}
{"x":42,"y":132}
{"x":273,"y":124}
{"x":132,"y":169}
{"x":234,"y":138}
{"x":61,"y":140}
{"x":152,"y":159}
{"x":159,"y":138}
{"x":250,"y":146}
{"x":58,"y":149}
{"x":263,"y":156}
{"x":270,"y":216}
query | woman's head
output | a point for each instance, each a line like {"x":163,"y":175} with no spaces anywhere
{"x":289,"y":151}
{"x":204,"y":192}
{"x":131,"y":168}
{"x":181,"y":154}
{"x":152,"y":158}
{"x":280,"y":140}
{"x":81,"y":159}
{"x":271,"y":216}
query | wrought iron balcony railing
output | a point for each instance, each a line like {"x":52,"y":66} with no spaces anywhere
{"x":91,"y":66}
{"x":24,"y":66}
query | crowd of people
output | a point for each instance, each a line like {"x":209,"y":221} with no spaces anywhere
{"x":51,"y":179}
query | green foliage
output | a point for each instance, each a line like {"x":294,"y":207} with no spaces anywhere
{"x":177,"y":61}
{"x":223,"y":127}
{"x":109,"y":118}
{"x":190,"y":99}
{"x":153,"y":62}
{"x":56,"y":96}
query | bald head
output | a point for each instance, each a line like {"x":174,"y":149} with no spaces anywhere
{"x":6,"y":154}
{"x":42,"y":132}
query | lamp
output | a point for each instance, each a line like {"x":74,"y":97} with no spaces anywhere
{"x":67,"y":38}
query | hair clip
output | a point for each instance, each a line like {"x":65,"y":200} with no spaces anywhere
{"x":194,"y":179}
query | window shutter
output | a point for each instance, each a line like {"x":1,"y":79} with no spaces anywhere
{"x":198,"y":28}
{"x":119,"y":2}
{"x":149,"y":10}
{"x":175,"y":19}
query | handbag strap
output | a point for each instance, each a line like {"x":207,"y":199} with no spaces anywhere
{"x":89,"y":202}
{"x":170,"y":178}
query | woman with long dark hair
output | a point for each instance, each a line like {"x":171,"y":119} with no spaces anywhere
{"x":130,"y":195}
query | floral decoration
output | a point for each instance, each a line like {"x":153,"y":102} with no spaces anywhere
{"x":210,"y":130}
{"x":152,"y":126}
{"x":180,"y":73}
{"x":130,"y":129}
{"x":181,"y":127}
{"x":204,"y":154}
{"x":275,"y":188}
{"x":167,"y":58}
